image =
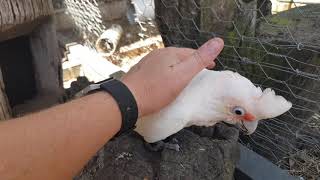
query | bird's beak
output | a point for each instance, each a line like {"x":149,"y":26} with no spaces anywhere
{"x":248,"y":127}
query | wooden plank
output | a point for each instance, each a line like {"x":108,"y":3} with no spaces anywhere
{"x":29,"y":15}
{"x":1,"y":21}
{"x":47,"y":61}
{"x":20,"y":29}
{"x":5,"y":110}
{"x":4,"y":10}
{"x":15,"y":12}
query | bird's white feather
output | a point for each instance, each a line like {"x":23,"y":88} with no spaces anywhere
{"x":269,"y":105}
{"x":205,"y":101}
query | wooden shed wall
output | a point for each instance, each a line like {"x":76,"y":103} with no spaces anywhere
{"x":24,"y":14}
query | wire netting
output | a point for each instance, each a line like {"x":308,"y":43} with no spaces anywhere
{"x":275,"y":44}
{"x":87,"y":17}
{"x":273,"y":49}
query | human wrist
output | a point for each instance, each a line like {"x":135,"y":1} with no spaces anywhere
{"x":103,"y":101}
{"x":134,"y":89}
{"x":125,"y":101}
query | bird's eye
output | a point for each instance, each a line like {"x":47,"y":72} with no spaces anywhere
{"x":238,"y":111}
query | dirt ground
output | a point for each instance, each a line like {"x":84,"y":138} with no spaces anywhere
{"x":136,"y":42}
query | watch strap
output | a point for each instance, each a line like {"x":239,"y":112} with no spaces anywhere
{"x":126,"y":102}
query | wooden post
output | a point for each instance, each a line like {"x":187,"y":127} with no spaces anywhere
{"x":47,"y":61}
{"x":5,"y":110}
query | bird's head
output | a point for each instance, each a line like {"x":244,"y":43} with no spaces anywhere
{"x":240,"y":102}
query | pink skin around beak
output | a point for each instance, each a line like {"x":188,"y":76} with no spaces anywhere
{"x":249,"y":117}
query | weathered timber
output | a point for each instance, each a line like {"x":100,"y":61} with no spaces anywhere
{"x":47,"y":69}
{"x":22,"y":13}
{"x":47,"y":61}
{"x":5,"y":110}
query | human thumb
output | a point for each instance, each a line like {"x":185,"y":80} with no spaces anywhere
{"x":202,"y":58}
{"x":207,"y":53}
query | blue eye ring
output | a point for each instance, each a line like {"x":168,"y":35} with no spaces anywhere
{"x":239,"y":111}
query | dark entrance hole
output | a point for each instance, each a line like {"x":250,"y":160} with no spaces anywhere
{"x":16,"y":64}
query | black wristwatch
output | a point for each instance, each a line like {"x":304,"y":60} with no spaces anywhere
{"x":124,"y":98}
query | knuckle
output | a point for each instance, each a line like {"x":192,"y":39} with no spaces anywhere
{"x":199,"y":60}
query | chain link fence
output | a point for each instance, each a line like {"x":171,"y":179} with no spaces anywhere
{"x":273,"y":47}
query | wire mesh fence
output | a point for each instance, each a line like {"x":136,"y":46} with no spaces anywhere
{"x":87,"y":17}
{"x":279,"y":50}
{"x":273,"y":43}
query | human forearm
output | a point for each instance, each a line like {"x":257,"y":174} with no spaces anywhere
{"x":56,"y":143}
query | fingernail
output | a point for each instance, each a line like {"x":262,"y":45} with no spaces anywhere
{"x":215,"y":45}
{"x":209,"y":51}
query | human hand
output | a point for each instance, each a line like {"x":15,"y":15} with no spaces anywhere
{"x":161,"y":75}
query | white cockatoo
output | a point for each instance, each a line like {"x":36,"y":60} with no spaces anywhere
{"x":212,"y":97}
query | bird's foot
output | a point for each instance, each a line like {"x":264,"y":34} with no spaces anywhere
{"x":172,"y":146}
{"x":160,"y":145}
